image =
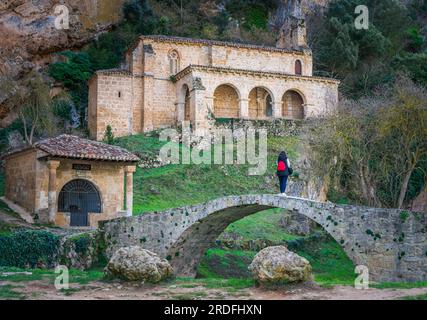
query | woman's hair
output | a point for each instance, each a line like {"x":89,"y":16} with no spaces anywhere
{"x":283,"y":154}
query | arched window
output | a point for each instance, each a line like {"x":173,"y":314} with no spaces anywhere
{"x":260,"y":104}
{"x":293,"y":105}
{"x":226,"y":102}
{"x":174,"y":62}
{"x":298,"y":68}
{"x":79,"y":197}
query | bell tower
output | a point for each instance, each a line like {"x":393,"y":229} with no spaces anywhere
{"x":293,"y":33}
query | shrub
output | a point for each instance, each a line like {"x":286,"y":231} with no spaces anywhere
{"x":28,"y":249}
{"x":74,"y":71}
{"x":109,"y":135}
{"x":82,"y":243}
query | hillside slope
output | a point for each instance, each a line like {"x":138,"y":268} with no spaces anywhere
{"x":173,"y":186}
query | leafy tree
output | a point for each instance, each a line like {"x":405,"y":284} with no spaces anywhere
{"x":361,"y":58}
{"x":414,"y":64}
{"x":415,"y":40}
{"x":139,"y":15}
{"x":74,"y":73}
{"x":76,"y":70}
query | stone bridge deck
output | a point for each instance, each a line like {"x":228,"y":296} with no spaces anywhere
{"x":391,"y":243}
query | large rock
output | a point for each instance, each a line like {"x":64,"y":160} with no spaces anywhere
{"x":137,"y":264}
{"x":275,"y":265}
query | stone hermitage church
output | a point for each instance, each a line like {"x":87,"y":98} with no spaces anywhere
{"x":166,"y":80}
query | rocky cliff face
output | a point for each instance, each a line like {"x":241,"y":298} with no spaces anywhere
{"x":28,"y":36}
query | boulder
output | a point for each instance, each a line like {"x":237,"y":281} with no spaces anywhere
{"x":276,"y":265}
{"x":138,"y":264}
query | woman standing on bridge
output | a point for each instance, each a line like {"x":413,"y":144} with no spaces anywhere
{"x":284,"y":170}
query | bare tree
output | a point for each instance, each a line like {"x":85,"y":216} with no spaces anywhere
{"x":373,"y":146}
{"x":35,"y":108}
{"x":404,"y":125}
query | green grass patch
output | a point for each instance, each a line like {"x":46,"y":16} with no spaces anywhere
{"x":218,"y":263}
{"x":5,"y":228}
{"x":262,"y":225}
{"x":400,"y":285}
{"x":87,"y":276}
{"x":75,"y":276}
{"x":5,"y":208}
{"x":330,"y":264}
{"x":145,"y":146}
{"x":7,"y":292}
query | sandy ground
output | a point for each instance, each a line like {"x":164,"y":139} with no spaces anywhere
{"x":40,"y":290}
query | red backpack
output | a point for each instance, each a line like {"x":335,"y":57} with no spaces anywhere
{"x":281,"y":166}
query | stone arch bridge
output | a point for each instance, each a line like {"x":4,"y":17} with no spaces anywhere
{"x":391,"y":243}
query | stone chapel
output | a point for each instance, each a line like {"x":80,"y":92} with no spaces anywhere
{"x":166,"y":80}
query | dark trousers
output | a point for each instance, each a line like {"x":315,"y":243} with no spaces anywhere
{"x":283,"y":182}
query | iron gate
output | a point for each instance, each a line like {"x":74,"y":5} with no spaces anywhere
{"x":79,"y":197}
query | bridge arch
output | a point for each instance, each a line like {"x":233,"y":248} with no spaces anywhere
{"x":187,"y":251}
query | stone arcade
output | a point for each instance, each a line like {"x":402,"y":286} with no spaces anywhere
{"x":70,"y":181}
{"x":166,"y":80}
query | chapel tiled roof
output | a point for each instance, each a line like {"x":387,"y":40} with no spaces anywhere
{"x":119,"y":71}
{"x":218,"y":43}
{"x":73,"y":147}
{"x":68,"y":146}
{"x":192,"y":67}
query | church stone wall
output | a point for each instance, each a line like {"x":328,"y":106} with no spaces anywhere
{"x":164,"y":108}
{"x":221,"y":56}
{"x":20,"y":181}
{"x":113,"y":106}
{"x":260,"y":60}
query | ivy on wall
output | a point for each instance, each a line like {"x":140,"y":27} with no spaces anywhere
{"x":29,"y":249}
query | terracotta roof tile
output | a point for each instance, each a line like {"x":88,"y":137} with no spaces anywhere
{"x":192,"y":67}
{"x":68,"y":146}
{"x":115,"y":71}
{"x":217,"y":43}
